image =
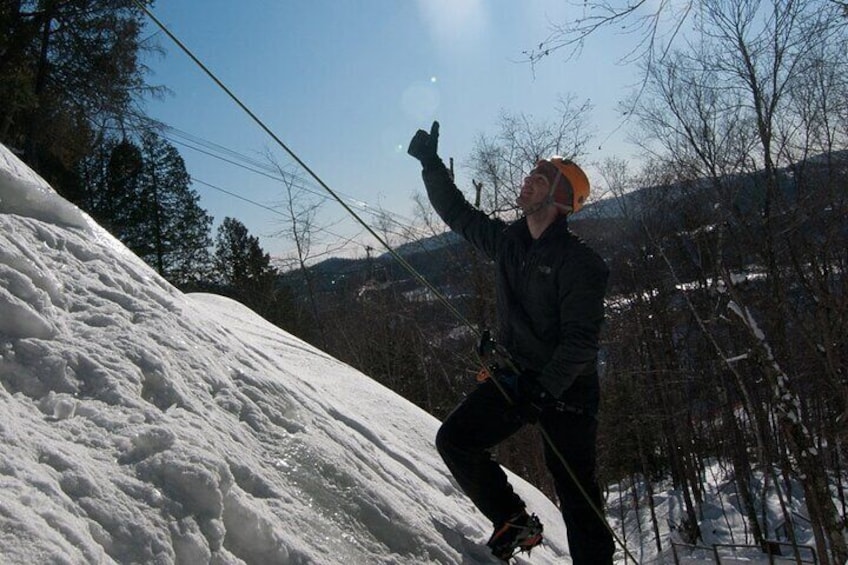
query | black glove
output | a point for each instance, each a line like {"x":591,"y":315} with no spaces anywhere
{"x":424,"y":146}
{"x":486,"y":346}
{"x":531,"y":399}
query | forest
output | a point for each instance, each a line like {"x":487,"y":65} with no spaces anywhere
{"x":726,"y":310}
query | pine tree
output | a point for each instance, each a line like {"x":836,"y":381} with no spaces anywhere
{"x":245,"y":272}
{"x":117,"y":205}
{"x":165,"y":225}
{"x":244,"y":268}
{"x":66,"y":68}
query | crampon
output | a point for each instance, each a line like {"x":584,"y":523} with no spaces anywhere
{"x":519,"y":534}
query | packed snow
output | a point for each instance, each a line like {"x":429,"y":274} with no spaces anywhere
{"x":143,"y":425}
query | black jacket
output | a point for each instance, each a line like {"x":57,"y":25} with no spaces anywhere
{"x":550,"y":292}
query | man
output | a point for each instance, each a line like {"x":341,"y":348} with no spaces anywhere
{"x":550,"y":292}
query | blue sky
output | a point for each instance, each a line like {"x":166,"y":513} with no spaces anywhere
{"x":346,"y":83}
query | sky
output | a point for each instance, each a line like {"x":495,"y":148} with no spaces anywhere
{"x":143,"y":425}
{"x":345,"y":84}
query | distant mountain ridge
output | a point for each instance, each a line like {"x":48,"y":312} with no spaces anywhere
{"x":427,"y":253}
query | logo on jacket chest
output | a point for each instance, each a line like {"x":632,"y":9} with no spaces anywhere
{"x":532,"y":266}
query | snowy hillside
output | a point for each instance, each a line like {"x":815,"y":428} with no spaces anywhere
{"x":141,"y":425}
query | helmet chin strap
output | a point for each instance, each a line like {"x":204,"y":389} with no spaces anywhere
{"x":550,"y":201}
{"x":550,"y":198}
{"x":563,"y":208}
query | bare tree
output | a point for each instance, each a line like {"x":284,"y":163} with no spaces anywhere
{"x":299,"y":208}
{"x":653,"y":24}
{"x":752,"y":96}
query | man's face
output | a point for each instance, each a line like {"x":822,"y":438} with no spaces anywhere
{"x":536,"y":188}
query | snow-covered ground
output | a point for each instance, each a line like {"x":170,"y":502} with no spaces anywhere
{"x":724,"y":527}
{"x":142,"y":425}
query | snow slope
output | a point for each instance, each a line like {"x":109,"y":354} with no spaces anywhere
{"x":142,"y":425}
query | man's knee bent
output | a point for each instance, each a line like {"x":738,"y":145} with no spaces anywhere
{"x":452,"y":448}
{"x":445,"y":443}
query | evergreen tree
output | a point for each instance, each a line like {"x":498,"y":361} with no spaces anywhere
{"x":243,"y":267}
{"x":164,"y":225}
{"x":142,"y":195}
{"x":117,"y":206}
{"x":107,"y":184}
{"x":66,"y":68}
{"x":245,"y":272}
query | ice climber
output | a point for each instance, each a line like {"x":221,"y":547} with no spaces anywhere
{"x":550,"y":305}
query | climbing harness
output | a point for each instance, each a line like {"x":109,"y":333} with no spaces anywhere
{"x":502,"y":353}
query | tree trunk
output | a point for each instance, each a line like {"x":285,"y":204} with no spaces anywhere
{"x":649,"y":487}
{"x":17,"y":39}
{"x":742,"y":472}
{"x":40,"y":83}
{"x":828,"y":527}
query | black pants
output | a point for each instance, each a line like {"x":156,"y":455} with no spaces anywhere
{"x":482,"y":421}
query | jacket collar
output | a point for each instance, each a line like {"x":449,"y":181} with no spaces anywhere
{"x":559,"y":225}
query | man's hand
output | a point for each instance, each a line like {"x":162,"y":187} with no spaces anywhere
{"x":486,"y":346}
{"x":531,"y":399}
{"x":424,"y":146}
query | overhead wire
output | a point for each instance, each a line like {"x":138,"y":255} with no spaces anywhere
{"x":259,"y":122}
{"x":271,"y":172}
{"x":347,"y":239}
{"x":179,"y":137}
{"x":159,"y":127}
{"x":476,"y":331}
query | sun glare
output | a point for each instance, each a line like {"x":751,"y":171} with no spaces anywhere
{"x":454,"y":21}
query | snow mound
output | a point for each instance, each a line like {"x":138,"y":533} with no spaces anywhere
{"x":142,"y":425}
{"x":26,"y":194}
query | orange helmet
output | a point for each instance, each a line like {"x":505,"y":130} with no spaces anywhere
{"x":568,"y":200}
